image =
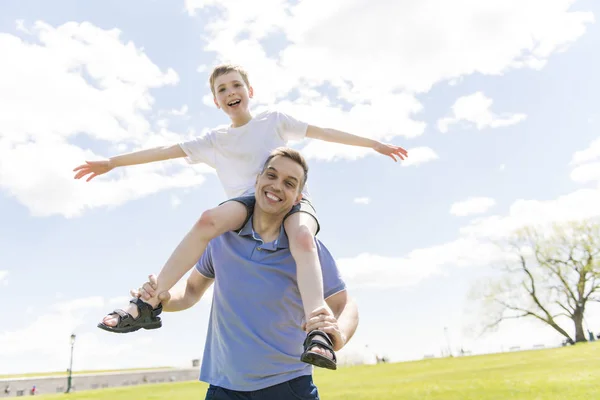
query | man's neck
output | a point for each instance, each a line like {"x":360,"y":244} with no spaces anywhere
{"x":241,"y":120}
{"x":267,"y":226}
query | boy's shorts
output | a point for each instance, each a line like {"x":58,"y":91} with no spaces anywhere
{"x":304,"y":206}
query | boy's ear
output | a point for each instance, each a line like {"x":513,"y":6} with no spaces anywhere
{"x":298,"y":199}
{"x":250,"y":92}
{"x":216,"y":102}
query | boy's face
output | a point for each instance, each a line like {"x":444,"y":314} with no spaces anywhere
{"x":278,"y":187}
{"x":231,"y":94}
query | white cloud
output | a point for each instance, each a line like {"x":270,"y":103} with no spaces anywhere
{"x":475,"y":244}
{"x":45,"y":340}
{"x":79,"y":304}
{"x":377,"y":271}
{"x":175,"y":201}
{"x":3,"y":275}
{"x":475,"y":108}
{"x":589,"y":172}
{"x":473,"y":248}
{"x":472,"y":205}
{"x":377,"y":120}
{"x":429,"y":39}
{"x":362,"y":200}
{"x":419,"y":155}
{"x":577,"y":205}
{"x":181,"y":112}
{"x":77,"y":79}
{"x":48,"y":328}
{"x":120,"y":301}
{"x":587,"y":155}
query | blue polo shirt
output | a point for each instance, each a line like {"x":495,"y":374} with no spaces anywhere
{"x":254,"y":337}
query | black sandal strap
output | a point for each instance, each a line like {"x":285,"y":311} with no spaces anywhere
{"x":310,"y":342}
{"x":145,"y":310}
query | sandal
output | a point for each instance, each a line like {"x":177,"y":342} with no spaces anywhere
{"x":317,"y":359}
{"x":148,"y":318}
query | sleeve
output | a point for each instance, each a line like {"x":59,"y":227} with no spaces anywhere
{"x":205,"y":264}
{"x":200,"y":150}
{"x":290,"y":128}
{"x":332,"y":279}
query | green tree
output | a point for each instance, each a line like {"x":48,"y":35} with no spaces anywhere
{"x":551,"y":275}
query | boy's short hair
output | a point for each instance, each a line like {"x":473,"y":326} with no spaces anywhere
{"x":293,"y":155}
{"x":223,"y":69}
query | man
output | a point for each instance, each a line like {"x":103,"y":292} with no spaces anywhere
{"x":252,"y":350}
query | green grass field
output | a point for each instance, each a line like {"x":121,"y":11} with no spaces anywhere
{"x":33,"y":374}
{"x":570,"y":373}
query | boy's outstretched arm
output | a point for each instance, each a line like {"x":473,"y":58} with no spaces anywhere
{"x":332,"y":135}
{"x":95,"y":168}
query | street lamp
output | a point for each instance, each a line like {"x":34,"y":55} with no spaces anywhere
{"x":71,"y":365}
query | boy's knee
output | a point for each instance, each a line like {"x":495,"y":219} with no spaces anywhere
{"x":304,"y":240}
{"x":207,"y":222}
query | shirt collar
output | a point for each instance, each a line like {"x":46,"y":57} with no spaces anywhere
{"x":280,"y":243}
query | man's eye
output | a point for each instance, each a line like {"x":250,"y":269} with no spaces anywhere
{"x":270,"y":175}
{"x":290,"y":184}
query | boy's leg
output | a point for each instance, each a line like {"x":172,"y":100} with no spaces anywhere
{"x":301,"y":229}
{"x":228,"y":216}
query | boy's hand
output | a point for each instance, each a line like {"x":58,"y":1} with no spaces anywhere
{"x":93,"y":169}
{"x":391,"y":150}
{"x":148,"y":290}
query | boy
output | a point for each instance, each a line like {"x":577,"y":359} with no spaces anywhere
{"x":237,"y":152}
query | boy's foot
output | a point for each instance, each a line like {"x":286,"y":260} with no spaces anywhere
{"x":112,"y":319}
{"x":318,"y":350}
{"x":121,"y":321}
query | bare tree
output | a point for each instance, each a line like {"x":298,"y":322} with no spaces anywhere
{"x":551,"y":276}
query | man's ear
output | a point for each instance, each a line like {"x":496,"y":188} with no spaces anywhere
{"x":216,"y":102}
{"x":298,"y":198}
{"x":250,"y":92}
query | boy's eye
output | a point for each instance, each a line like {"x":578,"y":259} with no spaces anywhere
{"x":222,"y":90}
{"x":271,"y":175}
{"x":290,"y":184}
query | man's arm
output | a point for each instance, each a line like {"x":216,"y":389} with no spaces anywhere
{"x":341,"y":325}
{"x":178,"y":298}
{"x":345,"y":312}
{"x":333,"y":135}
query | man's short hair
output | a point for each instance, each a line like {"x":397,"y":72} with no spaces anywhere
{"x":293,"y":155}
{"x":223,"y":69}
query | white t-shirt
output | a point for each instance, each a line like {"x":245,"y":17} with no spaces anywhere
{"x":238,"y":154}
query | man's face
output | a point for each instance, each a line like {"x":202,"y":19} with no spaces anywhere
{"x":231,"y":94}
{"x":278,"y":187}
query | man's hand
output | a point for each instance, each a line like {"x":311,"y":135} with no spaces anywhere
{"x":93,"y":169}
{"x":148,"y":290}
{"x":391,"y":150}
{"x":323,"y":320}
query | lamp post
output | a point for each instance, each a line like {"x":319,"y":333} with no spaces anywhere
{"x":71,"y":364}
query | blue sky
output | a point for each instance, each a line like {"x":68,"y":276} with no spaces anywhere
{"x":497,"y":103}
